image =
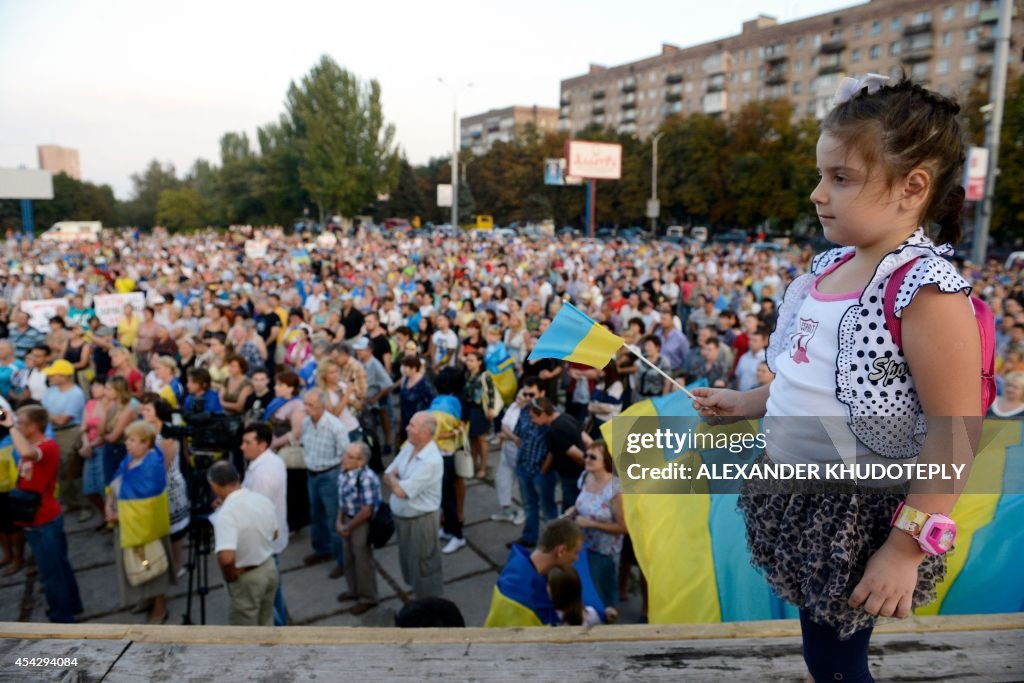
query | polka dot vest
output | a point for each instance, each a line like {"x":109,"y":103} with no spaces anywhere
{"x":872,"y":377}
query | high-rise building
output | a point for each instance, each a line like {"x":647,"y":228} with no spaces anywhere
{"x":480,"y":131}
{"x":56,"y":159}
{"x":946,"y":46}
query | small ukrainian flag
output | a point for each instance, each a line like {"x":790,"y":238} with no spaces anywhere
{"x":574,"y":336}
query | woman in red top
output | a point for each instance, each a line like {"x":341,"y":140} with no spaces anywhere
{"x":122,"y":364}
{"x":37,"y":473}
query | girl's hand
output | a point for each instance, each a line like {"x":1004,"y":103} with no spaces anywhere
{"x":714,"y":403}
{"x":887,"y":587}
{"x":584,"y":522}
{"x":85,"y":452}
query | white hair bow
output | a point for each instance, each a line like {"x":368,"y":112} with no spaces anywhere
{"x":849,"y":87}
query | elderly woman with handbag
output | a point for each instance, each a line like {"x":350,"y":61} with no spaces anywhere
{"x":138,"y":505}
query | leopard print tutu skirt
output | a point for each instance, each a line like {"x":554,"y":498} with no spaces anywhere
{"x":813,"y":549}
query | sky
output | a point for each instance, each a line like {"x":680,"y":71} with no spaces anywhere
{"x":127,"y":82}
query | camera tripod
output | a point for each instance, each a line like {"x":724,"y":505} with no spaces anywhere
{"x":200,"y":533}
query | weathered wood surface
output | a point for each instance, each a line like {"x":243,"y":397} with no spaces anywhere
{"x":974,"y":648}
{"x":953,"y":656}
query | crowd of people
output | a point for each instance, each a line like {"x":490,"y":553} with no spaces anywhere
{"x":358,"y":369}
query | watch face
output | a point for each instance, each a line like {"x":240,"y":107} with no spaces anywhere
{"x":946,"y":539}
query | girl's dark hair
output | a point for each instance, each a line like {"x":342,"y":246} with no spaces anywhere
{"x":566,"y":594}
{"x":901,"y":127}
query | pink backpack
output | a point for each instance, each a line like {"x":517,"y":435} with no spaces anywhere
{"x":986,"y":329}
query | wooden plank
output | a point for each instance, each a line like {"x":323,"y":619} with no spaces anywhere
{"x":314,"y":635}
{"x":940,"y":656}
{"x":93,"y":658}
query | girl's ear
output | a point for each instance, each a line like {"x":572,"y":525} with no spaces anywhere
{"x":916,"y":189}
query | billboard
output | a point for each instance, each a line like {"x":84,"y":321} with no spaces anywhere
{"x":24,"y":183}
{"x":599,"y":160}
{"x":975,"y":174}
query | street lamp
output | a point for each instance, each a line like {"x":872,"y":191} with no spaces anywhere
{"x":455,"y":150}
{"x":653,"y":210}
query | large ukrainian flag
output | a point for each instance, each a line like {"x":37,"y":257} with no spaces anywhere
{"x":574,"y":336}
{"x":692,"y":547}
{"x":142,"y":506}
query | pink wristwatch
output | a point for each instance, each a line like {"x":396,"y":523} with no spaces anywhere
{"x":934,"y":533}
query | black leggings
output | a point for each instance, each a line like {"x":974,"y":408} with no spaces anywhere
{"x":830,"y":659}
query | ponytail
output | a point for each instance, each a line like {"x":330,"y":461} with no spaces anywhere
{"x":948,"y":215}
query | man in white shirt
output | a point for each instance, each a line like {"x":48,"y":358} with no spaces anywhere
{"x":414,"y":478}
{"x":266,"y":474}
{"x":244,"y":527}
{"x":746,"y":366}
{"x":444,"y":344}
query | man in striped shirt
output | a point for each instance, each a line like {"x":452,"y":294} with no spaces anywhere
{"x":324,"y":440}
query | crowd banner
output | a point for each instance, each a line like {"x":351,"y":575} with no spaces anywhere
{"x":40,"y":311}
{"x":110,"y":307}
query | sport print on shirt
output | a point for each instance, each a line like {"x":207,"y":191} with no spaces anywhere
{"x":798,"y":342}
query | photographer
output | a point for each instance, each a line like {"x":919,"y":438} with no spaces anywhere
{"x":33,"y":499}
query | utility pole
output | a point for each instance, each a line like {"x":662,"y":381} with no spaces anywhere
{"x":455,"y":151}
{"x":993,"y":132}
{"x":653,"y":208}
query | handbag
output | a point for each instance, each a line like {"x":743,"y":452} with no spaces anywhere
{"x":23,"y":505}
{"x":292,"y":455}
{"x":463,"y":462}
{"x":145,"y":562}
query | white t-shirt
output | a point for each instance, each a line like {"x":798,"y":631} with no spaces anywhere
{"x":445,"y":344}
{"x":805,"y":387}
{"x":245,"y":523}
{"x":267,"y":476}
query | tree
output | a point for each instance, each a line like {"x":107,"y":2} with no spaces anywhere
{"x":148,"y":186}
{"x":346,"y":149}
{"x":180,"y":208}
{"x":407,"y":198}
{"x":237,"y":185}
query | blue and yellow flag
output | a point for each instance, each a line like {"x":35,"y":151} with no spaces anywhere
{"x":502,"y":369}
{"x":574,"y":336}
{"x":521,"y":596}
{"x":142,"y":506}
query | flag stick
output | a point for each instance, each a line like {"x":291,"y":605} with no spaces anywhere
{"x":639,"y":354}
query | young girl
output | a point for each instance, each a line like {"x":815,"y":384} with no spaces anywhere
{"x":890,"y":157}
{"x":566,"y":593}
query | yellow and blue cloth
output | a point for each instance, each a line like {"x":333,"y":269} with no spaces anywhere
{"x":574,"y":336}
{"x":692,"y":548}
{"x":521,"y":596}
{"x":142,"y":505}
{"x":502,"y":370}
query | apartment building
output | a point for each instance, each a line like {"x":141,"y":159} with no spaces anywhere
{"x":947,"y":46}
{"x":480,"y":131}
{"x":56,"y":159}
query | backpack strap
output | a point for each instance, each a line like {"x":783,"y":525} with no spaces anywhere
{"x":892,"y":288}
